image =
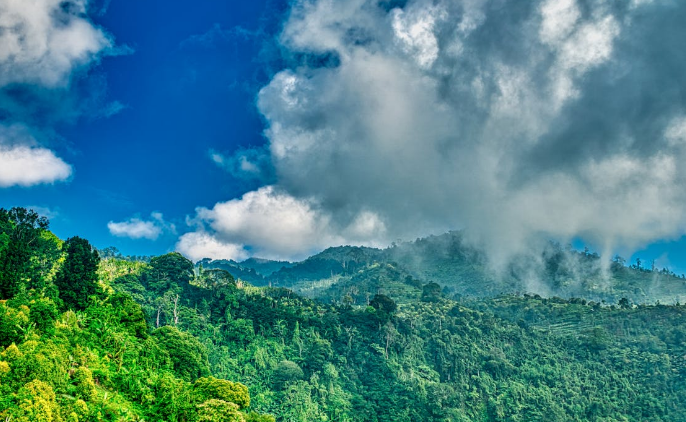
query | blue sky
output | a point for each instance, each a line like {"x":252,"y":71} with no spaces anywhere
{"x":275,"y":128}
{"x":181,"y":98}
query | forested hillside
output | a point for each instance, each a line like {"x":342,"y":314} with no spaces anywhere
{"x":74,"y":349}
{"x":85,"y":338}
{"x":354,"y":273}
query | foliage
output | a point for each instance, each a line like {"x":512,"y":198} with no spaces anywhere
{"x":77,"y":279}
{"x":98,"y":360}
{"x":215,"y":410}
{"x":431,"y":292}
{"x":162,"y":339}
{"x":187,"y":354}
{"x":287,"y":371}
{"x":212,"y":388}
{"x":22,"y":250}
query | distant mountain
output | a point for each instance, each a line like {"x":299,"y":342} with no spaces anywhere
{"x":331,"y":262}
{"x":359,"y":287}
{"x":264,"y":267}
{"x":237,"y":270}
{"x":449,"y":261}
{"x":461,"y":270}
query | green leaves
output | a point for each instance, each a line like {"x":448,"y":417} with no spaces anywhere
{"x":209,"y":388}
{"x":187,"y":354}
{"x":287,"y":371}
{"x":20,"y":235}
{"x":215,"y":410}
{"x":77,"y":280}
{"x":429,"y":358}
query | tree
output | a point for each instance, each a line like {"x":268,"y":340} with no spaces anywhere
{"x":12,"y":322}
{"x":214,"y":410}
{"x":187,"y":354}
{"x":383,"y":303}
{"x":217,"y":277}
{"x":256,"y":417}
{"x":431,"y":293}
{"x":77,"y":280}
{"x":208,"y":388}
{"x":130,"y":314}
{"x":19,"y":230}
{"x":170,"y":271}
{"x":286,"y":371}
{"x":36,"y":402}
{"x":624,"y":303}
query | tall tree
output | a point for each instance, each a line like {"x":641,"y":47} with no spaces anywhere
{"x":77,"y":280}
{"x":170,"y":271}
{"x":20,"y":230}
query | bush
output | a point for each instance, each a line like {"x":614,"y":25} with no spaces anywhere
{"x":212,"y":388}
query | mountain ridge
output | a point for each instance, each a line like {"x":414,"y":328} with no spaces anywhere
{"x":463,"y":270}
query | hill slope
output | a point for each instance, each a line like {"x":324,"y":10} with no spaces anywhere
{"x":462,"y":270}
{"x":159,"y":340}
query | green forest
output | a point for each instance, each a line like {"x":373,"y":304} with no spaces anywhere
{"x":420,"y":331}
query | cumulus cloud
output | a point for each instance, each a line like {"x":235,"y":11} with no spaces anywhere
{"x":43,"y":41}
{"x":28,"y":166}
{"x":24,"y":163}
{"x":199,"y":245}
{"x":517,"y":120}
{"x":135,"y":228}
{"x":271,"y":224}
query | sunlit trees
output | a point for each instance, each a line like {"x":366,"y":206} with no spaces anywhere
{"x":208,"y":388}
{"x":187,"y":354}
{"x":170,"y":271}
{"x":20,"y":230}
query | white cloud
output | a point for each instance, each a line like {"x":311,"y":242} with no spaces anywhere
{"x":559,"y":19}
{"x":22,"y":165}
{"x":415,"y":31}
{"x":199,"y":245}
{"x":460,"y":126}
{"x":272,"y":224}
{"x":676,"y":131}
{"x":590,"y":45}
{"x":43,"y":41}
{"x":135,"y":228}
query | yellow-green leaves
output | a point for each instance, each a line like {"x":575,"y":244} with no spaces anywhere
{"x":85,"y":387}
{"x":214,"y":410}
{"x":36,"y":403}
{"x":212,"y":388}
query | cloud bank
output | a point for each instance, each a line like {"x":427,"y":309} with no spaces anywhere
{"x":517,"y":120}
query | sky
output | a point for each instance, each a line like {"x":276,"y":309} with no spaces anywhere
{"x":277,"y":128}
